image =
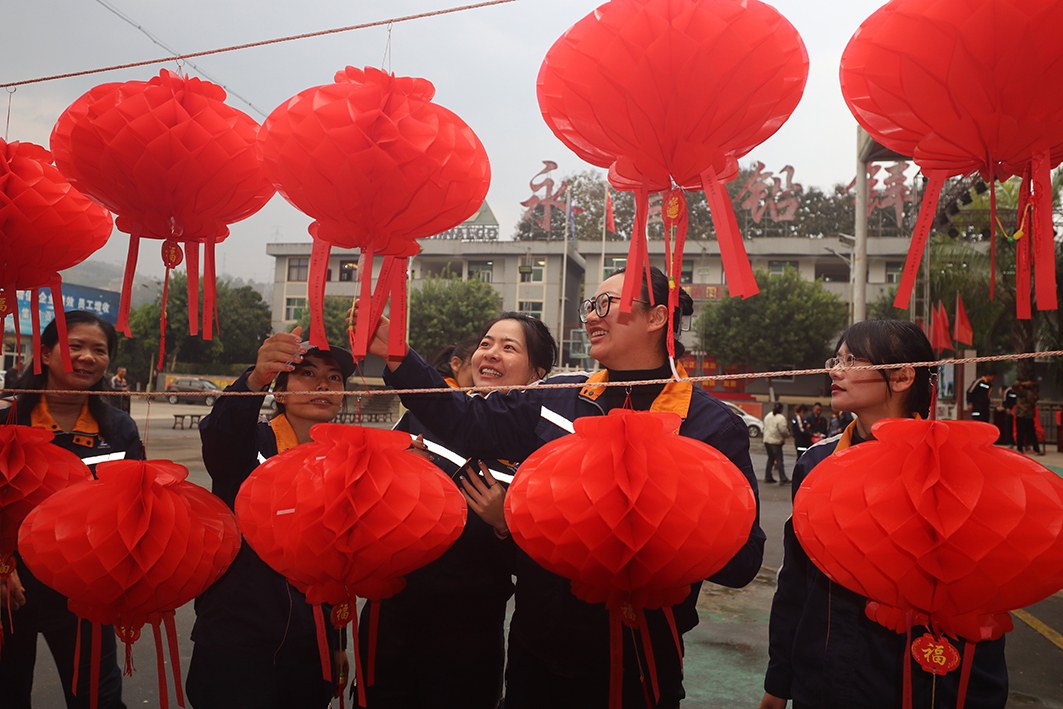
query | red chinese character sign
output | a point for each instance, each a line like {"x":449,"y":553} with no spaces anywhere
{"x":377,"y":165}
{"x":670,"y":93}
{"x":349,"y":515}
{"x":173,"y":162}
{"x":129,"y":548}
{"x":966,"y":86}
{"x":46,"y":226}
{"x":631,"y":512}
{"x":936,"y":526}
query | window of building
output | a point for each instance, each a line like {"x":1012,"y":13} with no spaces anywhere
{"x":836,"y":271}
{"x":481,"y":270}
{"x":532,"y":270}
{"x":531,"y":307}
{"x":686,"y":276}
{"x":348,"y":271}
{"x":293,"y":308}
{"x":298,"y":268}
{"x":776,"y":268}
{"x":894,"y":270}
{"x":613,"y":264}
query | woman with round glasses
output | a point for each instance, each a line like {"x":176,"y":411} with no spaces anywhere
{"x":559,"y":645}
{"x":823,"y":650}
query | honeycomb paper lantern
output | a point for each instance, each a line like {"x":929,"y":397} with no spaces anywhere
{"x":670,"y":93}
{"x":46,"y":226}
{"x":377,"y":165}
{"x":129,"y":548}
{"x":631,"y":512}
{"x":348,"y":515}
{"x":174,"y":162}
{"x":967,"y":86}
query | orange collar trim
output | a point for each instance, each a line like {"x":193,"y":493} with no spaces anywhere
{"x":674,"y":398}
{"x":284,"y":433}
{"x":41,"y":417}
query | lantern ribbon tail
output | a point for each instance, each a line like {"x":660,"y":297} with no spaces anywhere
{"x":94,"y":671}
{"x":965,"y":673}
{"x":1023,"y":296}
{"x":1043,"y":234}
{"x":374,"y":629}
{"x":175,"y":656}
{"x":322,"y":644}
{"x":35,"y":320}
{"x":391,"y":288}
{"x":670,"y":617}
{"x":160,"y":665}
{"x":365,"y":325}
{"x":651,"y":663}
{"x":992,"y":236}
{"x":637,"y":255}
{"x":616,"y":659}
{"x":60,"y":322}
{"x":359,"y":677}
{"x":18,"y":334}
{"x":192,"y":273}
{"x":740,"y":278}
{"x":315,"y":293}
{"x":77,"y":659}
{"x":210,"y":293}
{"x":906,"y":700}
{"x":936,"y":181}
{"x":127,"y":285}
{"x":162,"y":320}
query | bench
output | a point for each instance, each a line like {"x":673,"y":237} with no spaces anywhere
{"x":179,"y":420}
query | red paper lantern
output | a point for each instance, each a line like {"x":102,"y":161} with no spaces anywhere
{"x":46,"y":226}
{"x":129,"y":548}
{"x":966,"y":86}
{"x":377,"y":165}
{"x":935,"y":526}
{"x":630,"y":511}
{"x":670,"y":93}
{"x":173,"y":161}
{"x":349,"y":515}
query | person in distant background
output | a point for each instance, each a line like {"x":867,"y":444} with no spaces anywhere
{"x":120,"y":383}
{"x":776,"y":431}
{"x":978,"y":397}
{"x":817,"y":423}
{"x":799,"y":429}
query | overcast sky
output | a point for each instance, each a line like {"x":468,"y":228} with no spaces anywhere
{"x":482,"y":62}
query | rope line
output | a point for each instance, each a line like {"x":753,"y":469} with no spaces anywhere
{"x":569,"y":385}
{"x":260,"y":43}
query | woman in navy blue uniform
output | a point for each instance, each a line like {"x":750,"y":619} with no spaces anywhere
{"x":458,"y":602}
{"x":823,"y":650}
{"x":255,"y":639}
{"x":558,"y":644}
{"x":94,"y":430}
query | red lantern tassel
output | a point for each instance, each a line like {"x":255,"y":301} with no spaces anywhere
{"x":616,"y":659}
{"x":160,"y":666}
{"x":322,"y":643}
{"x":992,"y":236}
{"x":162,"y":320}
{"x":35,"y":319}
{"x":175,"y":656}
{"x":965,"y":673}
{"x":127,"y":284}
{"x":18,"y":330}
{"x":1023,"y":296}
{"x":359,"y":676}
{"x":391,"y":288}
{"x":60,"y":322}
{"x":670,"y":617}
{"x":365,"y":325}
{"x":919,"y":238}
{"x":740,"y":279}
{"x":1042,"y":233}
{"x":192,"y":282}
{"x":94,"y":671}
{"x":676,"y":225}
{"x":637,"y":256}
{"x":77,"y":658}
{"x":315,"y":292}
{"x":651,"y":663}
{"x":210,"y":283}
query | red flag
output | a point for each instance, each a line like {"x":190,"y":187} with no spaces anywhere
{"x":939,"y":329}
{"x":610,"y":220}
{"x":963,"y":331}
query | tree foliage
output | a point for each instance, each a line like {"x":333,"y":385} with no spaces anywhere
{"x":334,"y":313}
{"x":790,"y":323}
{"x":445,"y":310}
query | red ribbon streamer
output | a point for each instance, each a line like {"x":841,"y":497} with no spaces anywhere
{"x":992,"y":236}
{"x":35,"y":319}
{"x":919,"y":238}
{"x":162,"y":320}
{"x":965,"y":672}
{"x":160,"y":666}
{"x":192,"y":271}
{"x":175,"y":657}
{"x":60,"y":322}
{"x":740,"y":278}
{"x":637,"y":256}
{"x":1042,"y":232}
{"x":1023,"y":303}
{"x":127,"y":284}
{"x":315,"y":292}
{"x":210,"y":297}
{"x":616,"y":659}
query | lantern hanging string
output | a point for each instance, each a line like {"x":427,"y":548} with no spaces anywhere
{"x":706,"y":379}
{"x":261,"y":43}
{"x":7,"y":124}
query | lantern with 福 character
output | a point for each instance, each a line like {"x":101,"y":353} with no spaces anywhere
{"x":937,"y":528}
{"x":349,"y":515}
{"x":128,"y":549}
{"x":174,"y":162}
{"x":633,"y":514}
{"x":46,"y":226}
{"x":377,"y":165}
{"x":668,"y":94}
{"x":968,"y":86}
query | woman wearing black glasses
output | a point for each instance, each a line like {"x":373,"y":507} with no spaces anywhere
{"x":559,"y":645}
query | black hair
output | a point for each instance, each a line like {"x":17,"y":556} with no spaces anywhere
{"x":280,"y":383}
{"x":659,"y":283}
{"x":800,"y":408}
{"x":890,"y":342}
{"x":99,"y":407}
{"x":541,"y":347}
{"x":462,"y":349}
{"x":777,"y":409}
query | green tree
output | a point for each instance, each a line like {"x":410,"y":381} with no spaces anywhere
{"x":335,"y":316}
{"x":791,"y":323}
{"x":445,"y":310}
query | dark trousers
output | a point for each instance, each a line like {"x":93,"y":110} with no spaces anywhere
{"x":1025,"y":434}
{"x":774,"y":456}
{"x":46,"y":613}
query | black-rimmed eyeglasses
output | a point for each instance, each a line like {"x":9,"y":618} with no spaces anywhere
{"x":600,"y":305}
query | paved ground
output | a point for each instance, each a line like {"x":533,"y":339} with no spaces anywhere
{"x":726,"y":654}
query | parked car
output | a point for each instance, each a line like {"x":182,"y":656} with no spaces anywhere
{"x":754,"y":425}
{"x":207,"y":389}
